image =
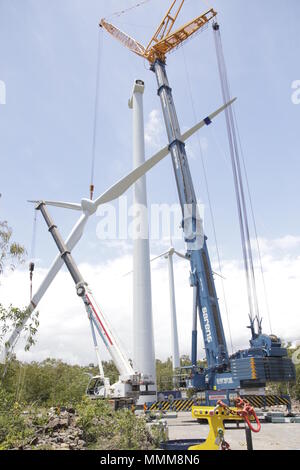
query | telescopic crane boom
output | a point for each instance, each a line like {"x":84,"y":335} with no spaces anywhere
{"x":129,"y":379}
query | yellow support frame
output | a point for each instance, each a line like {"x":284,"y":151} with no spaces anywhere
{"x":165,"y":27}
{"x":215,"y":418}
{"x":164,"y":40}
{"x":175,"y":39}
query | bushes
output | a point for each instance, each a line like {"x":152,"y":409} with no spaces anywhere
{"x":105,"y":429}
{"x":292,"y":389}
{"x":51,"y":382}
{"x":100,"y":427}
{"x":13,"y":429}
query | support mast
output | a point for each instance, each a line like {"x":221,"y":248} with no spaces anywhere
{"x":174,"y":329}
{"x":143,"y":334}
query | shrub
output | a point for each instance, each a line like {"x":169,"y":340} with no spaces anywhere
{"x":105,"y":429}
{"x":13,"y":429}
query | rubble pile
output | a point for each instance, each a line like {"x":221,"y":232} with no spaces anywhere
{"x":61,"y":432}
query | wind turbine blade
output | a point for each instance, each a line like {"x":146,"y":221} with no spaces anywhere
{"x":71,"y":242}
{"x":206,"y":121}
{"x":127,"y":274}
{"x":220,"y":275}
{"x":64,"y":205}
{"x":125,"y":183}
{"x":151,"y":261}
{"x":159,"y":256}
{"x":180,"y":255}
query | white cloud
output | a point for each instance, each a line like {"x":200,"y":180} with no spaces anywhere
{"x":2,"y":92}
{"x":196,"y":145}
{"x":64,"y":331}
{"x":279,"y":245}
{"x":155,"y":136}
{"x":153,"y":130}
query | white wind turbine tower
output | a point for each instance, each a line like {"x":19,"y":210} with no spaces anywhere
{"x":173,"y":311}
{"x":174,"y":329}
{"x":143,"y":335}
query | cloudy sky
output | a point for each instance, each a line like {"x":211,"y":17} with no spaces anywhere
{"x":48,"y":62}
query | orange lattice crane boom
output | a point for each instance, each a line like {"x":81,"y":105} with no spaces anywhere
{"x":165,"y":39}
{"x":167,"y":23}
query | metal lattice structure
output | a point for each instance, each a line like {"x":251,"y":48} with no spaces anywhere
{"x":164,"y":40}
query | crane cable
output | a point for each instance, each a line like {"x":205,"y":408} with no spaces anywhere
{"x":133,"y":7}
{"x":211,"y":210}
{"x":22,"y":371}
{"x":21,"y":382}
{"x":254,"y":226}
{"x":224,"y":156}
{"x":238,"y":181}
{"x":32,"y":253}
{"x":96,"y":114}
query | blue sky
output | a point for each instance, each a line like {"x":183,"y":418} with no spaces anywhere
{"x":48,"y":62}
{"x":48,"y":56}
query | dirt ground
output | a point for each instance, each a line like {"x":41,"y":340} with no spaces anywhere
{"x":271,"y":437}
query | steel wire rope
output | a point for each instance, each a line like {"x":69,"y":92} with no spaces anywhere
{"x":96,"y":111}
{"x":211,"y":210}
{"x":254,"y":224}
{"x":238,"y":180}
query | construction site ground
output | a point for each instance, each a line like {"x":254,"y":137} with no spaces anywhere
{"x":272,"y":436}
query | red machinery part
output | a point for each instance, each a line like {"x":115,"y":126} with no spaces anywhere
{"x":246,"y":412}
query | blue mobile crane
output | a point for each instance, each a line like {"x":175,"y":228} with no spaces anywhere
{"x":266,"y":360}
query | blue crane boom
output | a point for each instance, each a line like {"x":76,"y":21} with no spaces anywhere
{"x":201,"y":276}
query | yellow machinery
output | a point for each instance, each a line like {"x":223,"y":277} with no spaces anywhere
{"x":216,"y":416}
{"x":165,"y":39}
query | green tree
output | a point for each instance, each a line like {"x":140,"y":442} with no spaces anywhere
{"x":11,"y":254}
{"x":164,"y":374}
{"x":10,"y":251}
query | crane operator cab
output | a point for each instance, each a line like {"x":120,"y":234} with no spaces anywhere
{"x":98,"y":387}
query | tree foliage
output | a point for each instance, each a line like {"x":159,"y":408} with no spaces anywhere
{"x":13,"y":429}
{"x":292,"y":389}
{"x":105,"y":429}
{"x":50,"y":382}
{"x":11,"y":252}
{"x":13,"y":317}
{"x":36,"y":387}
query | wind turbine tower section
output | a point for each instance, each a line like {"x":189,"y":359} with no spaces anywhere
{"x":143,"y":335}
{"x":174,"y":330}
